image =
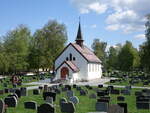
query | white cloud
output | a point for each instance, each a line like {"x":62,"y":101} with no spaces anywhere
{"x":140,"y":36}
{"x":113,"y":27}
{"x":86,"y":6}
{"x":125,"y":15}
{"x":97,"y":7}
{"x":93,"y":26}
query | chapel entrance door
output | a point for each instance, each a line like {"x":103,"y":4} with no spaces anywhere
{"x":64,"y":72}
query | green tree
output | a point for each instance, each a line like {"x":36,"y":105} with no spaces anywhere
{"x":128,"y":57}
{"x":100,"y":50}
{"x":145,"y":47}
{"x":112,"y":58}
{"x":48,"y":42}
{"x":16,"y":44}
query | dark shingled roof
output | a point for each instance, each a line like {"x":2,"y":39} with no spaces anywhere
{"x":86,"y":53}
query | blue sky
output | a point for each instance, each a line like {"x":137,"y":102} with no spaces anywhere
{"x":112,"y":21}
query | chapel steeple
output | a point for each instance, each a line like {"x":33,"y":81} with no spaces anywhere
{"x":79,"y":39}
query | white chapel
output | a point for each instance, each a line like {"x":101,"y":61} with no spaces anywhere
{"x":77,"y":62}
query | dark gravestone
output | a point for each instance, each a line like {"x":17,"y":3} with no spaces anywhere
{"x":100,"y":93}
{"x":2,"y":106}
{"x":125,"y":92}
{"x":104,"y":99}
{"x":124,"y":105}
{"x":120,"y":98}
{"x":45,"y":88}
{"x":36,"y":92}
{"x":6,"y":90}
{"x":62,"y":100}
{"x":110,"y":88}
{"x":100,"y":86}
{"x":2,"y":92}
{"x":67,"y":107}
{"x":18,"y":92}
{"x":13,"y":94}
{"x":46,"y":108}
{"x":69,"y":93}
{"x":74,"y":100}
{"x":11,"y":101}
{"x":30,"y":105}
{"x":58,"y":91}
{"x":138,"y":93}
{"x":40,"y":87}
{"x":23,"y":91}
{"x":83,"y":92}
{"x":115,"y":91}
{"x":101,"y":106}
{"x":11,"y":90}
{"x":64,"y":89}
{"x":51,"y":94}
{"x":78,"y":88}
{"x":74,"y":85}
{"x":93,"y":96}
{"x":115,"y":109}
{"x":142,"y":105}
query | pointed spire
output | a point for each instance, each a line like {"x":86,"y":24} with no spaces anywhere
{"x":79,"y":39}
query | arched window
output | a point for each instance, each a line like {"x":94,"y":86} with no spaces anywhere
{"x":70,"y":57}
{"x":74,"y":58}
{"x":67,"y":59}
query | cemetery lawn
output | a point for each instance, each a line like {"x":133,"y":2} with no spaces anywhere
{"x":85,"y":105}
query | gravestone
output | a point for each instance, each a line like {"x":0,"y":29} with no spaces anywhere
{"x":51,"y":94}
{"x":24,"y":91}
{"x":83,"y":92}
{"x":11,"y":101}
{"x":126,"y":92}
{"x":13,"y":94}
{"x":30,"y":105}
{"x":69,"y":93}
{"x":115,"y":91}
{"x":36,"y":92}
{"x":124,"y":106}
{"x":6,"y":90}
{"x":11,"y":90}
{"x":2,"y":92}
{"x":18,"y":92}
{"x":40,"y":87}
{"x":78,"y":88}
{"x":49,"y":100}
{"x":74,"y":100}
{"x":100,"y":93}
{"x":46,"y":108}
{"x":45,"y":88}
{"x":2,"y":106}
{"x":74,"y":85}
{"x":101,"y":106}
{"x":58,"y":91}
{"x":120,"y":98}
{"x":93,"y":96}
{"x":62,"y":100}
{"x":67,"y":107}
{"x":115,"y":109}
{"x":100,"y":86}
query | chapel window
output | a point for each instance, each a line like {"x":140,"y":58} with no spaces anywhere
{"x":70,"y":57}
{"x":67,"y":59}
{"x":74,"y":58}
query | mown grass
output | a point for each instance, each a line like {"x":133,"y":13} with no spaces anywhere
{"x":85,"y":105}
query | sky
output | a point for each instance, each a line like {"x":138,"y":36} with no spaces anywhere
{"x":112,"y":21}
